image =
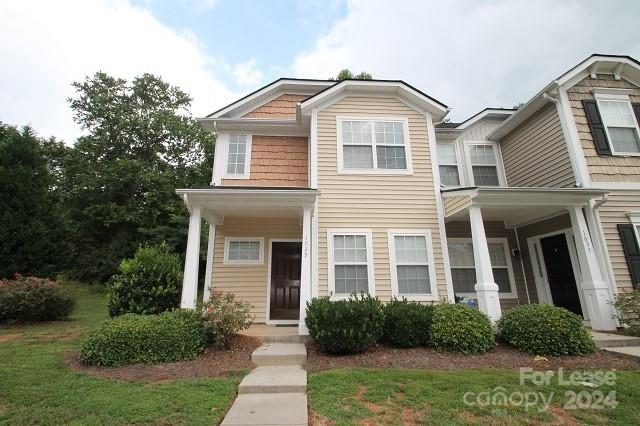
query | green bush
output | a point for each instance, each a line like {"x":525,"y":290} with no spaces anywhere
{"x":345,"y":326}
{"x":224,"y":316}
{"x":150,"y":339}
{"x":149,"y":283}
{"x":407,"y":324}
{"x":459,"y":328}
{"x":628,"y":307}
{"x":33,"y":299}
{"x":545,"y":330}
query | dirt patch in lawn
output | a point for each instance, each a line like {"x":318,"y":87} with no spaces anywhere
{"x":212,"y":363}
{"x":502,"y":356}
{"x":9,"y":337}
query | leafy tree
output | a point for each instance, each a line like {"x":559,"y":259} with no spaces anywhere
{"x":346,"y":74}
{"x":33,"y":238}
{"x":120,"y":179}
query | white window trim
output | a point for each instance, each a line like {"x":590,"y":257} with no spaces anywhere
{"x":461,"y":177}
{"x":391,"y":234}
{"x":513,"y":294}
{"x":331,"y":265}
{"x":228,"y":240}
{"x":502,"y":181}
{"x":600,"y":96}
{"x":634,"y":218}
{"x":374,"y":170}
{"x":223,"y":143}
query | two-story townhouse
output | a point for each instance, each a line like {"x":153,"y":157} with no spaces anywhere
{"x":323,"y":188}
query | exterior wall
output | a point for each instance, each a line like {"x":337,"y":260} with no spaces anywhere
{"x":535,"y":153}
{"x":602,"y":168}
{"x":376,"y":202}
{"x":276,"y":161}
{"x":249,"y":282}
{"x":613,"y":212}
{"x":283,"y":106}
{"x":455,"y":204}
{"x":547,"y":226}
{"x":480,"y":130}
{"x":497,"y":230}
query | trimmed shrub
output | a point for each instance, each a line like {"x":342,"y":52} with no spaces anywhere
{"x":407,"y":324}
{"x":545,"y":330}
{"x":131,"y":338}
{"x":459,"y":328}
{"x":149,"y":283}
{"x":33,"y":299}
{"x":345,"y":326}
{"x":628,"y":306}
{"x":224,"y":317}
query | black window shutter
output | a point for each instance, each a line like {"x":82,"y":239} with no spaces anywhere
{"x":597,"y":127}
{"x":636,"y":111}
{"x":631,"y":251}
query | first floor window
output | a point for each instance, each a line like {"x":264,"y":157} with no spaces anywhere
{"x":350,"y":262}
{"x":236,"y":161}
{"x":243,"y":250}
{"x":618,"y":118}
{"x":373,"y":145}
{"x":484,"y":164}
{"x":411,"y":270}
{"x":463,"y":271}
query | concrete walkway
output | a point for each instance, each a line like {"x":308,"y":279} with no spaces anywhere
{"x":275,"y":392}
{"x":626,"y":346}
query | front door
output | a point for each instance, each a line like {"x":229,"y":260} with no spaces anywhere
{"x":562,"y":281}
{"x":286,"y":261}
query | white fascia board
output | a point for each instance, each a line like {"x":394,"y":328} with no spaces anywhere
{"x":488,"y":112}
{"x":535,"y":197}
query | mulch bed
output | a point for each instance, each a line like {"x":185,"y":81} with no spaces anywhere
{"x":212,"y":363}
{"x":502,"y":356}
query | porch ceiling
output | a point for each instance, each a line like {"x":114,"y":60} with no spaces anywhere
{"x":520,"y":206}
{"x":218,"y":202}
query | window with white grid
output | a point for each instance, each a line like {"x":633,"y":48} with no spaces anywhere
{"x":448,"y":164}
{"x":243,"y":250}
{"x":350,"y":262}
{"x":370,"y":145}
{"x":411,"y":263}
{"x":237,"y":155}
{"x":483,"y":160}
{"x":463,"y":271}
{"x":620,"y":123}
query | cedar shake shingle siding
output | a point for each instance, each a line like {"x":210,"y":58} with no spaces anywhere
{"x":602,"y":168}
{"x":276,"y":161}
{"x":283,"y":106}
{"x":535,"y":153}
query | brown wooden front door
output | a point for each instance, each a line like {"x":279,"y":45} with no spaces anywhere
{"x":286,"y":262}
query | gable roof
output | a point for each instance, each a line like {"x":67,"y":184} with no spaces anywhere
{"x":620,"y":66}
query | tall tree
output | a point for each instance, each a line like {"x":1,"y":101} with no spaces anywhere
{"x":33,"y":237}
{"x":346,"y":74}
{"x":120,"y":178}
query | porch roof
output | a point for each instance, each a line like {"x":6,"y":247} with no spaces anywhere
{"x":247,"y":201}
{"x":516,"y":206}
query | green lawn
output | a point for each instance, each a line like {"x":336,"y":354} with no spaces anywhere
{"x":388,"y":397}
{"x":36,"y":387}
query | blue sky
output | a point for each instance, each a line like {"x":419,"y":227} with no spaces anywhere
{"x":469,"y":54}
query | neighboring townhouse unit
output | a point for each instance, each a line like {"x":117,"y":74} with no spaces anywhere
{"x":322,"y":188}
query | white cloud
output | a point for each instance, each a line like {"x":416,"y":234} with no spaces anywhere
{"x":46,"y":45}
{"x":247,"y":74}
{"x":470,"y":55}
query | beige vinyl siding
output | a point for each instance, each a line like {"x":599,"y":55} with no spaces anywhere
{"x":249,"y":282}
{"x":497,"y":230}
{"x":557,"y":223}
{"x":535,"y":153}
{"x":453,"y":205}
{"x":602,"y":168}
{"x":613,"y":212}
{"x":376,"y":202}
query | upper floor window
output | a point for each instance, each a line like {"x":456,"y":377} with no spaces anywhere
{"x":620,"y":123}
{"x":482,"y":160}
{"x":238,"y":156}
{"x":366,"y":146}
{"x":448,"y":164}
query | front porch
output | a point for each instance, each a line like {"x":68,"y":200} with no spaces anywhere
{"x":540,"y":248}
{"x":259,"y":248}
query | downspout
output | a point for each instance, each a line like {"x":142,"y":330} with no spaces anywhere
{"x":213,"y":169}
{"x":600,"y":202}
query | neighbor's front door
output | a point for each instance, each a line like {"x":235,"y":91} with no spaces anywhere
{"x":285,"y":280}
{"x":562,"y":281}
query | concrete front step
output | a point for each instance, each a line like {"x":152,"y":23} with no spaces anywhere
{"x":280,"y":354}
{"x":283,"y":339}
{"x":609,"y":340}
{"x":268,"y":409}
{"x":632,"y":352}
{"x":275,"y":379}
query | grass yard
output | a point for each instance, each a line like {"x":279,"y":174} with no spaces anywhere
{"x":408,"y":397}
{"x":36,"y":387}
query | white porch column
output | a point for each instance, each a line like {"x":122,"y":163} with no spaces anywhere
{"x":305,"y":273}
{"x":593,"y":285}
{"x":191,"y":262}
{"x":486,"y":288}
{"x":208,"y":284}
